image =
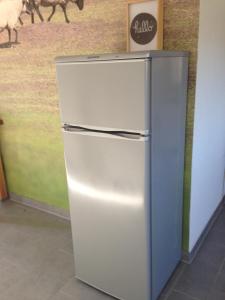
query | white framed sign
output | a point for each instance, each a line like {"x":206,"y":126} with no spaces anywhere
{"x":145,"y":25}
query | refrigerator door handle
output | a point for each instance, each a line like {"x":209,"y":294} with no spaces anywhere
{"x":129,"y":135}
{"x":116,"y":133}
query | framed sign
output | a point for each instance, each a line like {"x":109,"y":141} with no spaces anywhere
{"x":145,"y":25}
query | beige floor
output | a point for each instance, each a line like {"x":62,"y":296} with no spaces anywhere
{"x":36,"y":260}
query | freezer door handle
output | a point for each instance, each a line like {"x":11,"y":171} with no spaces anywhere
{"x":73,"y":128}
{"x":118,"y":133}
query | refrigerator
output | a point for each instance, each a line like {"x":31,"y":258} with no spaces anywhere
{"x":123,"y":123}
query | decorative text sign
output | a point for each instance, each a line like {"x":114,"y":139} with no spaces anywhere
{"x":145,"y":25}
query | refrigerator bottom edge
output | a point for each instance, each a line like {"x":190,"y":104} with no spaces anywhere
{"x":98,"y":289}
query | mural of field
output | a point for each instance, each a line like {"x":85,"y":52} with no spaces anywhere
{"x":31,"y":141}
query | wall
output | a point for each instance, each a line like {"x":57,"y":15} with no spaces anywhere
{"x":181,"y":23}
{"x":30,"y":139}
{"x":209,"y":120}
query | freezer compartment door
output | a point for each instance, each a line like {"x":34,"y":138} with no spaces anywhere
{"x":109,"y":206}
{"x":105,"y":94}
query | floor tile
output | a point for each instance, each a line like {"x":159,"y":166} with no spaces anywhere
{"x":217,"y":236}
{"x":172,"y":281}
{"x":62,"y":296}
{"x":197,"y":279}
{"x":45,"y":281}
{"x":220,"y":222}
{"x":211,"y":252}
{"x":82,"y":291}
{"x":175,"y":295}
{"x":215,"y":295}
{"x":162,"y":297}
{"x":219,"y":284}
{"x":37,"y":263}
{"x":10,"y":275}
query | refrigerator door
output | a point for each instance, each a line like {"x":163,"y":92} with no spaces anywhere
{"x":105,"y":94}
{"x":109,"y":206}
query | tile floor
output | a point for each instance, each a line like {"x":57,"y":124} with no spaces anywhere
{"x":36,"y":261}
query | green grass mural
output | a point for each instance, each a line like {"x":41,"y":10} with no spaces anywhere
{"x":31,"y":138}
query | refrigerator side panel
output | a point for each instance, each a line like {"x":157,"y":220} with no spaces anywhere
{"x":168,"y":104}
{"x":108,"y":206}
{"x":104,"y":94}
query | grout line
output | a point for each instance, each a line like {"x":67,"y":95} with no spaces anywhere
{"x":60,"y":291}
{"x":175,"y":281}
{"x":65,"y":294}
{"x":219,"y":271}
{"x":189,"y":296}
{"x":217,"y":276}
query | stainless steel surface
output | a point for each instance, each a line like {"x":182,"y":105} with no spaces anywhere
{"x":167,"y":166}
{"x":106,"y":95}
{"x":120,"y":56}
{"x":109,"y":204}
{"x":125,"y":191}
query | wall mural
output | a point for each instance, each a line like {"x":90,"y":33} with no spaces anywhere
{"x":31,"y":140}
{"x":11,"y":12}
{"x":32,"y":6}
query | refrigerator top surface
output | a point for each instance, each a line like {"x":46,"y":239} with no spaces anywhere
{"x":120,"y":56}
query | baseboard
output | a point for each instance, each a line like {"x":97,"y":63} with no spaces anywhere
{"x":188,"y":257}
{"x":59,"y":212}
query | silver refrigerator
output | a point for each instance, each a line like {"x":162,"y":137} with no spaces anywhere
{"x":123,"y":119}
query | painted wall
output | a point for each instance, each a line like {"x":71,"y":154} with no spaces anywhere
{"x":31,"y":140}
{"x":181,"y":24}
{"x":209,"y":120}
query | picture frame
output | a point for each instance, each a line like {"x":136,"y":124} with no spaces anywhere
{"x":144,"y":25}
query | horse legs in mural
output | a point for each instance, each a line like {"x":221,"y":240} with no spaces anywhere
{"x":53,"y":11}
{"x":36,"y":7}
{"x":39,"y":14}
{"x":80,"y":4}
{"x":63,"y":6}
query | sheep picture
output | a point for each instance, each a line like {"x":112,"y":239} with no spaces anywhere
{"x":10,"y":11}
{"x":35,"y":4}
